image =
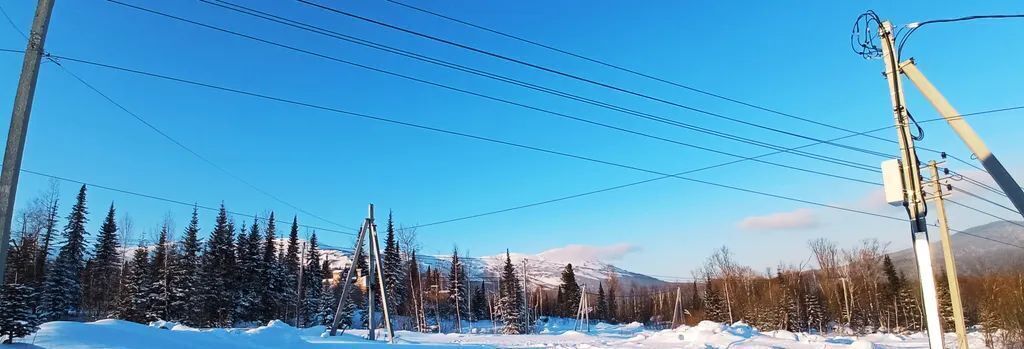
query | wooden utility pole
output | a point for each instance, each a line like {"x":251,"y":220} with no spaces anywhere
{"x":910,"y":175}
{"x":19,"y":125}
{"x":947,"y":254}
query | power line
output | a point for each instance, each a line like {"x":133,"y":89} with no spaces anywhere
{"x":976,"y":196}
{"x":477,"y":94}
{"x":984,"y":213}
{"x":169,"y":137}
{"x":479,"y":138}
{"x":913,"y":27}
{"x":583,"y":79}
{"x":634,"y":71}
{"x":631,"y":184}
{"x":173,"y":201}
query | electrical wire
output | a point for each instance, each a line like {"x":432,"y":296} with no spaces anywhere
{"x":915,"y":26}
{"x":164,"y":199}
{"x":321,"y":31}
{"x":985,"y":213}
{"x":168,"y":137}
{"x":582,"y":79}
{"x":979,"y":197}
{"x":482,"y":138}
{"x":632,"y":71}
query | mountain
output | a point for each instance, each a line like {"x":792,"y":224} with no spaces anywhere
{"x":542,"y":269}
{"x":974,"y":252}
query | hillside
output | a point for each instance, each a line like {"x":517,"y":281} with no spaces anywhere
{"x":974,"y":254}
{"x":542,"y":269}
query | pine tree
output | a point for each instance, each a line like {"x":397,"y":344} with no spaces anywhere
{"x":273,"y":278}
{"x":394,"y":278}
{"x":815,"y":312}
{"x":613,"y":307}
{"x":313,"y":279}
{"x":159,"y":296}
{"x":713,"y":304}
{"x":217,"y":272}
{"x":185,"y":300}
{"x":602,"y":303}
{"x":16,"y":317}
{"x":290,"y":295}
{"x":133,"y":300}
{"x":248,"y":279}
{"x":570,"y":292}
{"x":104,"y":267}
{"x":480,"y":309}
{"x":328,"y":296}
{"x":62,"y":289}
{"x":945,"y":301}
{"x":510,"y":302}
{"x":457,"y":287}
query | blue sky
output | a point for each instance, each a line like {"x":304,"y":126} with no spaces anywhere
{"x":792,"y":56}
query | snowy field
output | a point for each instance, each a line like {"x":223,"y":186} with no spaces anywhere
{"x":121,"y":334}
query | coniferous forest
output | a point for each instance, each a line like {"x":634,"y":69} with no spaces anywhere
{"x":220,"y":272}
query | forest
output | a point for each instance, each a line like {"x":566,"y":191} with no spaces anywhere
{"x":243,"y":274}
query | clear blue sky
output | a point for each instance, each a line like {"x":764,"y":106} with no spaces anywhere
{"x":792,"y":56}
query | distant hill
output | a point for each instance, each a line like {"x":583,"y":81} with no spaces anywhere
{"x":545,"y":270}
{"x":974,"y":254}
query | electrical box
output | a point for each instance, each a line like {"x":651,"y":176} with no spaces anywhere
{"x":892,"y":180}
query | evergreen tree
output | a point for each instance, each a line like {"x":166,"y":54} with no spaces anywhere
{"x":457,"y":286}
{"x":185,"y":300}
{"x":570,"y":292}
{"x":328,"y":296}
{"x":910,"y":311}
{"x":815,"y":311}
{"x":510,"y":302}
{"x":713,"y":304}
{"x":602,"y":303}
{"x":313,"y":279}
{"x":272,"y":272}
{"x":480,"y":308}
{"x":248,"y":279}
{"x":16,"y":317}
{"x":290,"y":296}
{"x":945,"y":301}
{"x":159,"y":296}
{"x":392,"y":271}
{"x":104,"y":267}
{"x":217,"y":272}
{"x":613,"y":307}
{"x":414,"y":297}
{"x":62,"y":289}
{"x":133,"y":300}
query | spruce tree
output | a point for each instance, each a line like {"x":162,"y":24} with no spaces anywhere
{"x":133,"y":300}
{"x":480,"y":308}
{"x":313,"y":281}
{"x":570,"y":292}
{"x":217,"y":273}
{"x":159,"y":296}
{"x":815,"y":312}
{"x":272,"y":273}
{"x":290,"y":296}
{"x":713,"y":304}
{"x":248,"y":279}
{"x":613,"y":305}
{"x":945,"y":301}
{"x":602,"y":303}
{"x":104,"y":267}
{"x":328,"y":296}
{"x":414,"y":297}
{"x":392,"y":271}
{"x":185,"y":298}
{"x":62,"y":289}
{"x":510,"y":302}
{"x":457,"y":284}
{"x":16,"y":317}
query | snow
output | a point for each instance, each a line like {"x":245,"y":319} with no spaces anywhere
{"x":556,"y":332}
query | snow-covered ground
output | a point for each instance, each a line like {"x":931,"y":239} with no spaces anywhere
{"x":556,"y":334}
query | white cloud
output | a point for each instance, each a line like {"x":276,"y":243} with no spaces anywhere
{"x":793,"y":220}
{"x":580,"y":253}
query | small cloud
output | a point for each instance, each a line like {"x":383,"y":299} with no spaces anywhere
{"x":793,"y":220}
{"x":580,"y":253}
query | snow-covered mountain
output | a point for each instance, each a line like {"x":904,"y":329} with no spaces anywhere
{"x":542,"y":269}
{"x":975,"y":254}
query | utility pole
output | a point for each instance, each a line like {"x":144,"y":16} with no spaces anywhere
{"x":947,"y":254}
{"x":368,"y":229}
{"x":967,"y":135}
{"x":346,"y":282}
{"x":911,"y":180}
{"x":19,"y":125}
{"x":677,"y":309}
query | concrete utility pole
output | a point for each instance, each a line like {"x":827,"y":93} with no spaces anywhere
{"x":947,"y":254}
{"x":966,"y":134}
{"x":346,"y":283}
{"x":911,"y":180}
{"x":19,"y":125}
